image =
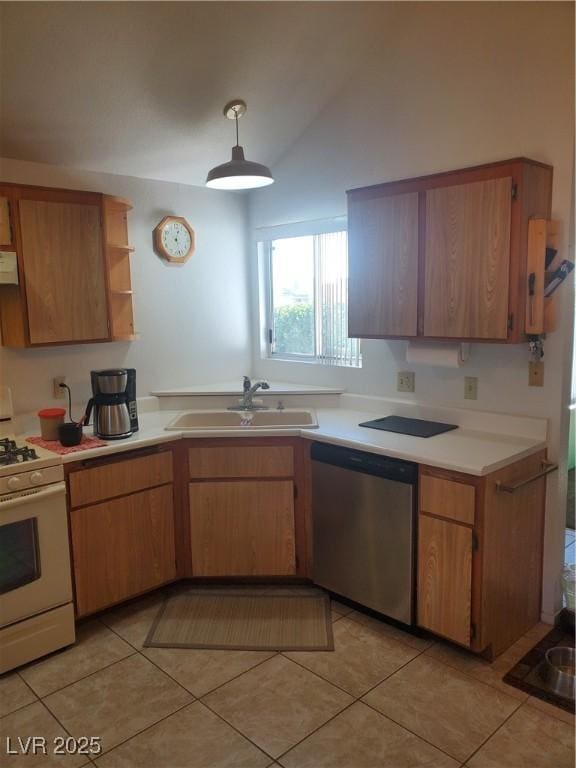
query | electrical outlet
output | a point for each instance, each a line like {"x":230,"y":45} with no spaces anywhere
{"x":405,"y":381}
{"x":58,"y":391}
{"x":470,"y":388}
{"x":536,"y":374}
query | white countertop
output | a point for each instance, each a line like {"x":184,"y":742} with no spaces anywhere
{"x":461,"y":450}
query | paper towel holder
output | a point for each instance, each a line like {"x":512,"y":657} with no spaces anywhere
{"x":462,"y":349}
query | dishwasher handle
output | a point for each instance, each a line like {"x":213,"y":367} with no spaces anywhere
{"x":368,"y":463}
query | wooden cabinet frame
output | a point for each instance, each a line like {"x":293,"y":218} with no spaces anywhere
{"x":300,"y":475}
{"x":117,"y":291}
{"x":507,"y":551}
{"x":504,"y":530}
{"x":162,"y":481}
{"x":531,"y":198}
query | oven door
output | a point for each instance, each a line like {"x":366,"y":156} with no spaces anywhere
{"x":34,"y":553}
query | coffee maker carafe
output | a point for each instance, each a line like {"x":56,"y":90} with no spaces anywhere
{"x":114,"y":403}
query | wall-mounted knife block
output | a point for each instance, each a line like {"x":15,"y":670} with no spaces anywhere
{"x":541,"y":310}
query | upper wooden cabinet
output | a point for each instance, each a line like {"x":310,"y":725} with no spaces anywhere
{"x":445,"y":256}
{"x":383,"y":265}
{"x":74,"y":275}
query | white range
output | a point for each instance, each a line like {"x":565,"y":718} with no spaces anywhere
{"x":36,"y":610}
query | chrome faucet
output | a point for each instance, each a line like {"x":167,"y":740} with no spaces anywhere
{"x":247,"y":401}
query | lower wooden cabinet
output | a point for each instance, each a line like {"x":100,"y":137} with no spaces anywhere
{"x":242,"y":528}
{"x":480,"y":543}
{"x":122,"y":548}
{"x":248,"y":507}
{"x":445,"y":578}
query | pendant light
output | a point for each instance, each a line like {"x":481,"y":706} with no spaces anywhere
{"x":238,"y":173}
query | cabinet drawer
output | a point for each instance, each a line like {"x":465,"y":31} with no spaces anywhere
{"x":447,"y":498}
{"x":119,"y":478}
{"x":233,"y":462}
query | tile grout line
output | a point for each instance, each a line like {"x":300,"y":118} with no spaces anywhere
{"x":315,"y":730}
{"x":418,"y":654}
{"x":146,"y":728}
{"x":200,"y":700}
{"x":84,"y":677}
{"x":519,"y":704}
{"x":391,"y":636}
{"x":354,"y":701}
{"x":36,"y":698}
{"x":326,"y":680}
{"x":236,"y":729}
{"x":359,"y":699}
{"x":470,"y":676}
{"x":131,"y":655}
{"x":47,"y":708}
{"x":502,"y":724}
{"x":280,"y":653}
{"x":552,"y":714}
{"x":55,"y":654}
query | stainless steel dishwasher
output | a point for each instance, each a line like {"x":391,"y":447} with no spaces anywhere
{"x":363,"y":512}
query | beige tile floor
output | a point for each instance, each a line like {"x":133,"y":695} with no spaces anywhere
{"x":382,"y":699}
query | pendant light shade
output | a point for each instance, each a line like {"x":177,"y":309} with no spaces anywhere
{"x":238,"y":173}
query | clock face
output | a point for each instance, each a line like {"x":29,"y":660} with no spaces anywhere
{"x":176,"y":239}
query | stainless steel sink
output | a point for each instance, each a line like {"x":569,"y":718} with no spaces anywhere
{"x":244,"y":420}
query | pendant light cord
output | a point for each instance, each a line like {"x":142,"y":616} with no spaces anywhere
{"x":236,"y":119}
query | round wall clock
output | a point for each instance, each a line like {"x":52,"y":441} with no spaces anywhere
{"x":174,"y":239}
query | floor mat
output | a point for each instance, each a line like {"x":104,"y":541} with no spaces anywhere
{"x":525,"y":675}
{"x":258,"y":620}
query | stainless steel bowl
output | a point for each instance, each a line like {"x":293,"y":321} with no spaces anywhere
{"x":557,"y":671}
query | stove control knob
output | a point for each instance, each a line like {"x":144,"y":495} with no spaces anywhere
{"x":36,"y":478}
{"x":14,"y":483}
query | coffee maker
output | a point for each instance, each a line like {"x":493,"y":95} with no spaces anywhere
{"x":114,"y":403}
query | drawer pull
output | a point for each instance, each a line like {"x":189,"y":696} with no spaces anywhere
{"x":547,"y":467}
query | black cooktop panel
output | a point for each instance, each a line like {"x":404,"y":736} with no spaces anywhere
{"x":404,"y":426}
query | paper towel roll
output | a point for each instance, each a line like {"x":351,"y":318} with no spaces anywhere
{"x":439,"y":354}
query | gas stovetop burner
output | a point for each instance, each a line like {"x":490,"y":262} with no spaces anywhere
{"x":10,"y":453}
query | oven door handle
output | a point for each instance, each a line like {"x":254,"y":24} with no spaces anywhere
{"x":32,"y":496}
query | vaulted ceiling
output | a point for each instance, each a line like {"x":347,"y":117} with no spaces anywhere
{"x":137,"y":88}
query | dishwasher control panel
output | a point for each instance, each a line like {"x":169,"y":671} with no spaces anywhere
{"x":362,"y":461}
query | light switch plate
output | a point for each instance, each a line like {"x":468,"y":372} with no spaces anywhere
{"x":470,"y":387}
{"x":536,"y":374}
{"x":405,"y":381}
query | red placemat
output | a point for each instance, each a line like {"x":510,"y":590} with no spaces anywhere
{"x":56,"y":447}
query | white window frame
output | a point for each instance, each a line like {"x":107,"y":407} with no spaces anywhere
{"x":264,"y":238}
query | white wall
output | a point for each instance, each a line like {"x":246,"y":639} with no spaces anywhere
{"x":193,"y":319}
{"x":452,"y":85}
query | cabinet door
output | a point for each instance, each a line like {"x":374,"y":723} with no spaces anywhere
{"x":242,"y":528}
{"x":64,"y":271}
{"x":467,"y":260}
{"x":383,"y":266}
{"x":122,"y":548}
{"x":445,"y":578}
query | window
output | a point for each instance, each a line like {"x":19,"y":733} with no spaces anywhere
{"x":306,"y":314}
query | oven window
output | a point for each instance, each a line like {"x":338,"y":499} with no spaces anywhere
{"x":19,"y":560}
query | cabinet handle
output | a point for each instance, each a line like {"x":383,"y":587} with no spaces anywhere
{"x":547,"y":467}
